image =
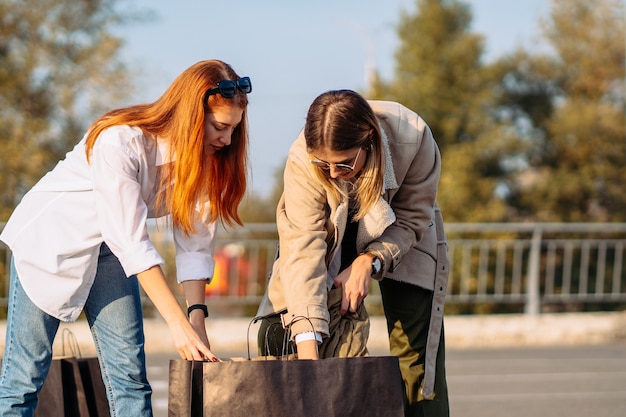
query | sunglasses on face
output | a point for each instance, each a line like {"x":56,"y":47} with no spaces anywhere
{"x":345,"y":168}
{"x":228,"y":88}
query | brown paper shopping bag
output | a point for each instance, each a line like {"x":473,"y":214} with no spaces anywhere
{"x":74,"y":386}
{"x":360,"y":386}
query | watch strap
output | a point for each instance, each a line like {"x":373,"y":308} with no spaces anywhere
{"x":202,"y":307}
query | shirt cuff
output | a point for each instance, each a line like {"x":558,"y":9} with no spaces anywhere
{"x":138,"y":258}
{"x":194,"y":266}
{"x":302,"y":337}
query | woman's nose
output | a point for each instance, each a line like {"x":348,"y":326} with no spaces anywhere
{"x":334,"y":172}
{"x":226,"y":139}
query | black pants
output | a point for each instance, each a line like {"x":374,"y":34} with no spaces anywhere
{"x":407,"y":310}
{"x":273,"y":340}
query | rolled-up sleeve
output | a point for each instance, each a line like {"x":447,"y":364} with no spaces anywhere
{"x":122,"y":212}
{"x":194,"y":252}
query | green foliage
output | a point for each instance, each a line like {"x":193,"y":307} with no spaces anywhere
{"x":60,"y":68}
{"x":576,"y":164}
{"x":439,"y":74}
{"x":437,"y":67}
{"x":533,"y":136}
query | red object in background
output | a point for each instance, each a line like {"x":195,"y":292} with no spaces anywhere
{"x":229,"y":264}
{"x":219,"y":283}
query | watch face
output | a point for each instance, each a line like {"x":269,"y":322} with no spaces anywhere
{"x":376,"y":266}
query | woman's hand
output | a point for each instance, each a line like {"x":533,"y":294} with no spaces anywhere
{"x":189,"y":343}
{"x":355,"y":283}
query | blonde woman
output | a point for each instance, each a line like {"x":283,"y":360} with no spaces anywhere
{"x":359,"y":202}
{"x":80,"y":242}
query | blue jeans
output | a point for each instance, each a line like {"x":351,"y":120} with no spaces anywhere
{"x":113,"y":311}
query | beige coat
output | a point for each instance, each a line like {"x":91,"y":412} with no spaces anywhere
{"x":405,"y":227}
{"x":402,"y":226}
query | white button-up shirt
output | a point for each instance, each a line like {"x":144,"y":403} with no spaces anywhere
{"x":56,"y":231}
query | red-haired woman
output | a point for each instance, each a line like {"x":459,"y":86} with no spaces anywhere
{"x":80,"y":242}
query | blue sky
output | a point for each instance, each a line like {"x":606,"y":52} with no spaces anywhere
{"x":294,"y":50}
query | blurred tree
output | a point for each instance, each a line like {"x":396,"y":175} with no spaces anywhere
{"x":439,"y":74}
{"x":258,"y":209}
{"x":60,"y":68}
{"x":533,"y":136}
{"x":571,"y":101}
{"x":437,"y":68}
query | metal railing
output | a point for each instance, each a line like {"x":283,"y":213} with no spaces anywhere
{"x":495,"y":267}
{"x":537,"y":264}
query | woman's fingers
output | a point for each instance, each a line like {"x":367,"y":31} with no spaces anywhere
{"x":192,"y":354}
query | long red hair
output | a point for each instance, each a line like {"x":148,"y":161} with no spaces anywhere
{"x":178,"y":116}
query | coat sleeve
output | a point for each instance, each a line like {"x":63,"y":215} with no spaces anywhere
{"x":417,"y":162}
{"x":301,"y":220}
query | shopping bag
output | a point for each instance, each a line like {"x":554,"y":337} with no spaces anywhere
{"x":185,"y":389}
{"x":358,"y":386}
{"x":74,"y":386}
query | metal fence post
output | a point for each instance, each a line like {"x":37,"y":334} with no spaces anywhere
{"x":533,"y":301}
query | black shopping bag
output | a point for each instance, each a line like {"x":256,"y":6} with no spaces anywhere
{"x":74,"y":386}
{"x":358,"y":386}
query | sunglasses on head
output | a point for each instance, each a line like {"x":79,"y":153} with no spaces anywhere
{"x":228,"y":88}
{"x":345,"y":168}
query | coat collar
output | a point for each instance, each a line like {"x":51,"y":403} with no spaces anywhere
{"x":390,"y":182}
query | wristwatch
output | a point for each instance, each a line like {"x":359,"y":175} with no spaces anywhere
{"x":377,"y":265}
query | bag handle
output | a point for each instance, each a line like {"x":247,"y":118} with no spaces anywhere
{"x":256,"y":320}
{"x":68,"y":339}
{"x":287,"y":333}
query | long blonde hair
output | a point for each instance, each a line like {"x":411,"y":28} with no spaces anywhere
{"x":340,"y":120}
{"x":178,"y":116}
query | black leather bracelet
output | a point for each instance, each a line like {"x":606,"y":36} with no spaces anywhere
{"x":198,"y":307}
